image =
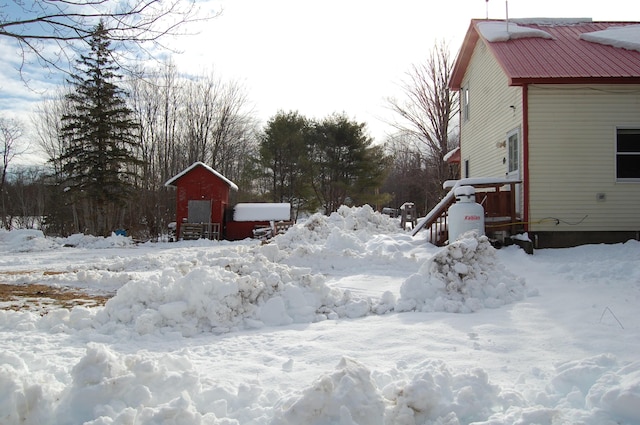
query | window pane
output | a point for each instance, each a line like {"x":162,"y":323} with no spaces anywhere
{"x":465,"y":103}
{"x":628,"y":166}
{"x":513,"y":153}
{"x":628,"y":140}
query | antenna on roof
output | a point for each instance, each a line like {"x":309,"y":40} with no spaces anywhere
{"x":506,"y":5}
{"x":487,"y":9}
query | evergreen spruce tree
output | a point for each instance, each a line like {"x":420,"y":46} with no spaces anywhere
{"x":99,"y":160}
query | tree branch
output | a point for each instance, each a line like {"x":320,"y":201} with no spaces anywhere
{"x":39,"y":25}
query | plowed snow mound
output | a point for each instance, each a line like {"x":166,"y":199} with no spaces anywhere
{"x":463,"y":277}
{"x":357,"y":223}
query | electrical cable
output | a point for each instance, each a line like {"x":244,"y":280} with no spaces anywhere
{"x":557,"y":221}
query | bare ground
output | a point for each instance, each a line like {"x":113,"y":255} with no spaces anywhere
{"x":38,"y":297}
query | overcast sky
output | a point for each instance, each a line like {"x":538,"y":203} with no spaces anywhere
{"x":325,"y":56}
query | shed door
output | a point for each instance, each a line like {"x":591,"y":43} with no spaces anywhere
{"x":199,"y":211}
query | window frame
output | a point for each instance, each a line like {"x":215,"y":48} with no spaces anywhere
{"x":464,"y":103}
{"x":513,"y":153}
{"x":635,"y":130}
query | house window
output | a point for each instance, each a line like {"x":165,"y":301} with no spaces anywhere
{"x":464,"y":102}
{"x":628,"y":154}
{"x":513,"y":152}
{"x":466,"y":169}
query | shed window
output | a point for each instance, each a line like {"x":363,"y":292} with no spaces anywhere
{"x":628,"y":154}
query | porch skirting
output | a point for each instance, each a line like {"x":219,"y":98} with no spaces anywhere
{"x":571,"y":239}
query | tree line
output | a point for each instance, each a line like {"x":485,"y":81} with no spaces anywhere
{"x":111,"y":145}
{"x":112,"y":142}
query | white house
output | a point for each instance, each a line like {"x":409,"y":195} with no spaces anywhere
{"x":555,"y":105}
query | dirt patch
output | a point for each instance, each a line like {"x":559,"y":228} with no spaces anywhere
{"x":44,"y":297}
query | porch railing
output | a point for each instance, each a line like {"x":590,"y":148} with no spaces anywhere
{"x":500,"y":211}
{"x":191,"y":231}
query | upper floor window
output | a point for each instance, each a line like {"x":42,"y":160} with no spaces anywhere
{"x":628,"y":154}
{"x":464,"y":102}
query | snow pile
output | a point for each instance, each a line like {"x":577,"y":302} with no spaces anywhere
{"x":31,"y":240}
{"x":245,"y":291}
{"x":347,"y":228}
{"x":350,"y":237}
{"x":158,"y":352}
{"x":594,"y":391}
{"x":463,"y":277}
{"x":440,"y":396}
{"x":348,"y":396}
{"x":80,"y":240}
{"x":27,"y":240}
{"x":110,"y":388}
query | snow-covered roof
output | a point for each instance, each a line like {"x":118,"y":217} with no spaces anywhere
{"x":262,"y":211}
{"x":626,"y":37}
{"x":478,"y":181}
{"x":569,"y":51}
{"x":494,"y":31}
{"x":172,"y":180}
{"x":453,"y":155}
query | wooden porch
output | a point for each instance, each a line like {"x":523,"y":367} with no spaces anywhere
{"x":193,"y":231}
{"x":497,"y":197}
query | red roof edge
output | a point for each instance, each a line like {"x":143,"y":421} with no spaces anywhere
{"x":464,"y":56}
{"x":574,"y":80}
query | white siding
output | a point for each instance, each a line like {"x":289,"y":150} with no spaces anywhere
{"x":572,"y":158}
{"x":491,"y":115}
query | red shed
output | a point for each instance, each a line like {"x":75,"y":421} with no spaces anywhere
{"x":201,"y":198}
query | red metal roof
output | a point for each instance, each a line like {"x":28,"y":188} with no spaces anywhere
{"x":562,"y":59}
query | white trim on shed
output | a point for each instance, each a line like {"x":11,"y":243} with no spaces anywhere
{"x":173,"y":179}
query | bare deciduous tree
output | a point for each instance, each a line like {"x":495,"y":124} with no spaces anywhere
{"x":427,"y":111}
{"x":10,"y":132}
{"x":406,"y":180}
{"x":46,"y":124}
{"x":49,"y":29}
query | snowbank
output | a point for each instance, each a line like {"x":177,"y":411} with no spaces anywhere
{"x":347,"y":228}
{"x":80,"y":240}
{"x":251,"y":286}
{"x":107,"y":387}
{"x":254,"y":286}
{"x":30,"y":240}
{"x":161,"y":350}
{"x":437,"y":395}
{"x":462,"y":277}
{"x":234,"y":291}
{"x":347,"y":396}
{"x":27,"y":240}
{"x":348,"y":238}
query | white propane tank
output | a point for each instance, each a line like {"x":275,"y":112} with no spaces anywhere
{"x":465,"y":215}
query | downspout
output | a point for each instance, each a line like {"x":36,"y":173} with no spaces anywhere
{"x":525,"y":156}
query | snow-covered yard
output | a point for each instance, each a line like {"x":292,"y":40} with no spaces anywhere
{"x":342,"y":320}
